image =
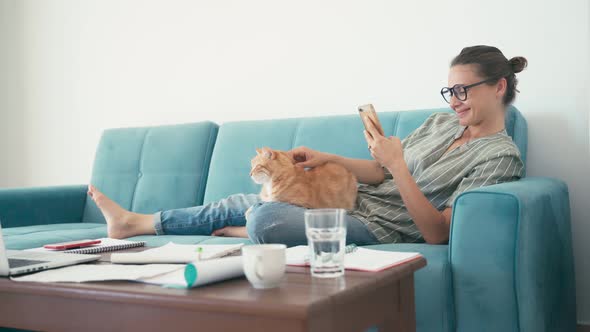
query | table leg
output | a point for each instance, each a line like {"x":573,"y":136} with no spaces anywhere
{"x":405,"y":318}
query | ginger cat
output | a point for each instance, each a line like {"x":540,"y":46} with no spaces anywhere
{"x":326,"y":186}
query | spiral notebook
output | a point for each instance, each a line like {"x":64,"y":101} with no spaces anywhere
{"x":106,"y":244}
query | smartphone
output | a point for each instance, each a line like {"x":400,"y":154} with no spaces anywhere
{"x":71,"y":244}
{"x":368,"y":115}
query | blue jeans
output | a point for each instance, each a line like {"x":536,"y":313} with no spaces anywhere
{"x":269,"y":222}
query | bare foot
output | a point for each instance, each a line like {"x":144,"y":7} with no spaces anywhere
{"x":233,"y":231}
{"x":120,"y":222}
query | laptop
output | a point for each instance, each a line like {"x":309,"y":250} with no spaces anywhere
{"x":13,"y":262}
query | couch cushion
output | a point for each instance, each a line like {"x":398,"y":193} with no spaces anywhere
{"x":154,"y":168}
{"x":434,"y":302}
{"x":237,"y":141}
{"x":36,"y":236}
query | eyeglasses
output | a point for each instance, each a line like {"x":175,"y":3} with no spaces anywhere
{"x":460,"y":90}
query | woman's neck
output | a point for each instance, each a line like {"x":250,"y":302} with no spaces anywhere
{"x":483,"y":129}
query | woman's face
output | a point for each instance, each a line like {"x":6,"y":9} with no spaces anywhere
{"x":482,"y":101}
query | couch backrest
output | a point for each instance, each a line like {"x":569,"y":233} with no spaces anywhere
{"x":153,"y":168}
{"x":237,"y":141}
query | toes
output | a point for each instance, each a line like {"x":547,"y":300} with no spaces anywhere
{"x":92,"y":189}
{"x":98,"y":199}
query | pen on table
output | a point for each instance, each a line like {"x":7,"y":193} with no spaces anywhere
{"x":347,"y":250}
{"x":199,"y":252}
{"x":350,"y":248}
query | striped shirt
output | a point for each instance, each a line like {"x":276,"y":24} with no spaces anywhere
{"x":441,"y":178}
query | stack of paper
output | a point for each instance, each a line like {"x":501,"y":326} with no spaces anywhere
{"x":176,"y":253}
{"x":207,"y":270}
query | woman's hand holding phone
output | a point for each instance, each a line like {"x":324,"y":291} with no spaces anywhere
{"x":369,"y":117}
{"x":386,"y":151}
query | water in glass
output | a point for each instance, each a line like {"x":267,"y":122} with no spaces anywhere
{"x":326,"y":237}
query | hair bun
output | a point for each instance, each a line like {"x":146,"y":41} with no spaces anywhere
{"x":518,"y":64}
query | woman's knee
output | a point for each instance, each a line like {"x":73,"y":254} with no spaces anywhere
{"x":261,"y":220}
{"x":272,"y":222}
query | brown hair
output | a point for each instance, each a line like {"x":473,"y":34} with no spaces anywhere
{"x":491,"y":63}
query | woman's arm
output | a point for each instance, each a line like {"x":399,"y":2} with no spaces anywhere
{"x":434,"y":225}
{"x":366,"y":171}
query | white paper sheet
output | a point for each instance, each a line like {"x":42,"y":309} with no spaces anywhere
{"x":100,"y":272}
{"x":175,"y":253}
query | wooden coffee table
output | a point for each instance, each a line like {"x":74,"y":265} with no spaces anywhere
{"x":354,"y":302}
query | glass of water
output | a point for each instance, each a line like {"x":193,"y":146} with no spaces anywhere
{"x":326,"y":237}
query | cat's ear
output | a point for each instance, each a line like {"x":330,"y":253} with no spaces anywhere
{"x":268,"y":153}
{"x":258,"y":151}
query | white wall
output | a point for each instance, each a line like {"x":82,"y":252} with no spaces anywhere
{"x":12,"y":131}
{"x":71,"y":68}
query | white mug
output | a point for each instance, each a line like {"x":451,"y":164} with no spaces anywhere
{"x":264,"y":264}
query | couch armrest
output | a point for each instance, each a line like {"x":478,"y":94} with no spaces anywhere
{"x":511,"y":257}
{"x":44,"y":205}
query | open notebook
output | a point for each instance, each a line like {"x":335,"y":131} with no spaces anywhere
{"x":360,"y":259}
{"x":177,"y":253}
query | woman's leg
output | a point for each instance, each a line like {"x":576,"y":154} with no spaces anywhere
{"x":199,"y":220}
{"x":277,"y":222}
{"x":204,"y":219}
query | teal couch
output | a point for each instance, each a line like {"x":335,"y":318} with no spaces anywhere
{"x":508,"y":265}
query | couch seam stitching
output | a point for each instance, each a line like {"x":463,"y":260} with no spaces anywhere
{"x":295,"y":132}
{"x":395,"y":125}
{"x":203,"y":186}
{"x":44,"y":231}
{"x":514,"y":266}
{"x":139,"y":162}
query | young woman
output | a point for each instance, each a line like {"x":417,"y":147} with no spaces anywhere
{"x":406,"y":193}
